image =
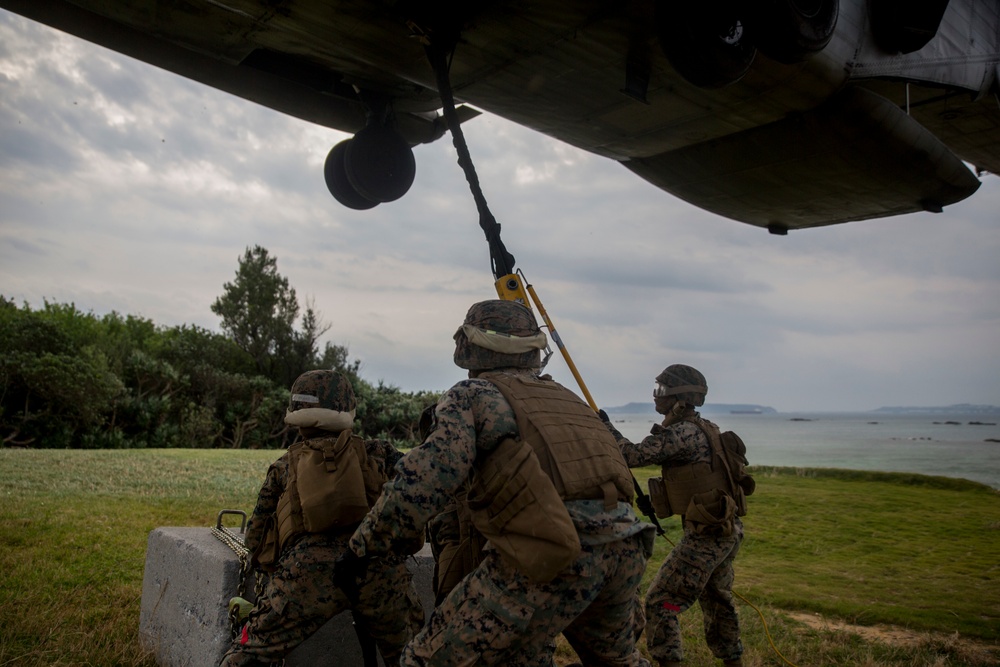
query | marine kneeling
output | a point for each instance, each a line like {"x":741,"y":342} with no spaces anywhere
{"x":312,"y":499}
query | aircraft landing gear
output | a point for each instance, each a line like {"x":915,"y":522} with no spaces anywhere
{"x":374,"y":167}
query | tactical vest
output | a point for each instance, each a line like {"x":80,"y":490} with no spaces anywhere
{"x":573,"y":447}
{"x":563,"y":453}
{"x":707,"y":494}
{"x":332,"y":483}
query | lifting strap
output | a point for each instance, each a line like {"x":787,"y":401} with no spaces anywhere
{"x":502,"y":261}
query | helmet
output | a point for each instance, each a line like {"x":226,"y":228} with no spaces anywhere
{"x":684,"y":382}
{"x":321,"y":399}
{"x":499,"y":334}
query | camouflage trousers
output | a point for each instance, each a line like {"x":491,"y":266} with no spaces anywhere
{"x":300,"y":597}
{"x":497,"y":615}
{"x":700,"y":568}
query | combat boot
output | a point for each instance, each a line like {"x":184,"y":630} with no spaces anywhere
{"x":738,"y":662}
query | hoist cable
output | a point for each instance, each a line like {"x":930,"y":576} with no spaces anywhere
{"x":502,"y":261}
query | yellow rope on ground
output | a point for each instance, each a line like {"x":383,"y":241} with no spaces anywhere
{"x":766,"y":631}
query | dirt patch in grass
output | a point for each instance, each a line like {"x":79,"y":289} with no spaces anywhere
{"x":976,"y":652}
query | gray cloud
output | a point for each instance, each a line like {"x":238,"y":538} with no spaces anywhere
{"x":123,"y":187}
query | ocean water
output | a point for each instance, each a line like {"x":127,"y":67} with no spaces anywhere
{"x":859,"y":441}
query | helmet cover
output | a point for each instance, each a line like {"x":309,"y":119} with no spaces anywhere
{"x":684,"y":382}
{"x":321,"y":399}
{"x":499,"y":334}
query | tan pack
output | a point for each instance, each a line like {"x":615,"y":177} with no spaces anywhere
{"x":516,"y":507}
{"x":331,"y":484}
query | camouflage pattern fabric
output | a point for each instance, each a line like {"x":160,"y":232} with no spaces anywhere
{"x":300,"y":595}
{"x":506,"y":317}
{"x":699,"y":568}
{"x":331,"y":389}
{"x":496,"y":613}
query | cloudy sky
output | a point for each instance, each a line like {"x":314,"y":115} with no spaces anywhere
{"x":127,"y":188}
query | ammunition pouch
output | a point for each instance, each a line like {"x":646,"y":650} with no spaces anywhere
{"x":265,"y":556}
{"x":456,"y":544}
{"x":514,"y":504}
{"x":659,"y":499}
{"x":711,"y":513}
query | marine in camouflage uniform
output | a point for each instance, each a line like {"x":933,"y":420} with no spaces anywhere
{"x":700,"y":567}
{"x":300,"y":595}
{"x":497,"y":614}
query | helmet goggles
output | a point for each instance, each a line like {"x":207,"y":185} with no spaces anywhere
{"x":661,"y":390}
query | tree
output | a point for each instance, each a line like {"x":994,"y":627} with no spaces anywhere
{"x":258,"y":310}
{"x":302,"y":355}
{"x":55,"y":390}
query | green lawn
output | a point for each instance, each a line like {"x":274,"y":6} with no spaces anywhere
{"x":864,"y":549}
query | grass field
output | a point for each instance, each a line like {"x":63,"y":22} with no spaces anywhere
{"x":845,"y":568}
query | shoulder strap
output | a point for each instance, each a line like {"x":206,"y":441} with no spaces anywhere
{"x":711,"y":431}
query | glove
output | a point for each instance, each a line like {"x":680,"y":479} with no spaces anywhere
{"x":604,"y":416}
{"x":240,"y":609}
{"x":644,"y":504}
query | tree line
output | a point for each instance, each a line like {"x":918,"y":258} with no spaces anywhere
{"x":70,"y":379}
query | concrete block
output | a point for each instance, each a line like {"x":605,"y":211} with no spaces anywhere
{"x":189,"y":577}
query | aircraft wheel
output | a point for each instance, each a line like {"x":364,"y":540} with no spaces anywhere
{"x":337,"y":182}
{"x":380,"y":164}
{"x":790,"y":31}
{"x":706,"y":42}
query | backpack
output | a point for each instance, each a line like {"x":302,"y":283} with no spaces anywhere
{"x":734,"y":456}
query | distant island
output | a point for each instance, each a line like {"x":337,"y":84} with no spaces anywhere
{"x":751,"y":409}
{"x":716,"y":408}
{"x":957,"y":409}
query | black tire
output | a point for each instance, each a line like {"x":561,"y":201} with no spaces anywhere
{"x":790,"y":31}
{"x":338,"y":184}
{"x":706,"y":42}
{"x":380,"y":164}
